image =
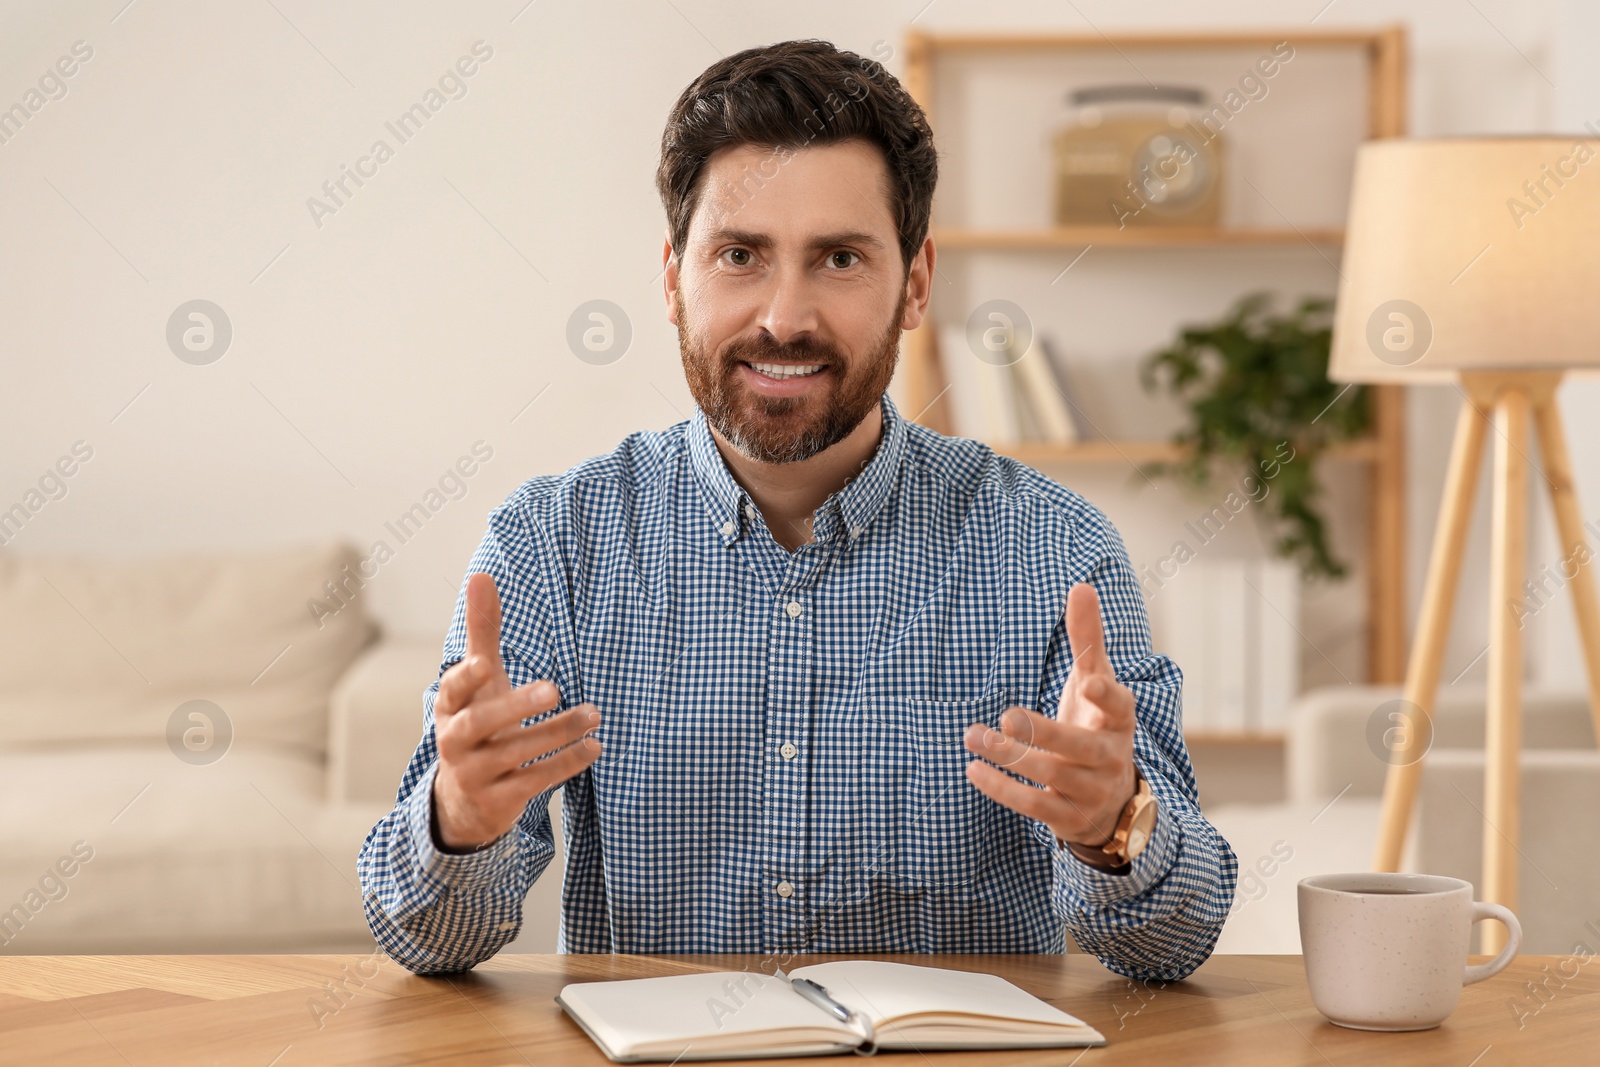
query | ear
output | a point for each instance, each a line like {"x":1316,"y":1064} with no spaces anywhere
{"x":919,"y":285}
{"x":669,"y":278}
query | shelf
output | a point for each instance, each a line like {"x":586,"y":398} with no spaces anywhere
{"x":1132,"y":237}
{"x":1301,"y":37}
{"x":1366,"y":450}
{"x":1382,"y":52}
{"x":1250,"y":737}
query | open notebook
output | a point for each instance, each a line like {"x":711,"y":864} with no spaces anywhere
{"x":738,"y":1014}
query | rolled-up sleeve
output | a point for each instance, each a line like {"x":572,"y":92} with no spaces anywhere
{"x":1159,"y":919}
{"x":438,"y":912}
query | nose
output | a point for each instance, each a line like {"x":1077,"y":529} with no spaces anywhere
{"x":792,"y":310}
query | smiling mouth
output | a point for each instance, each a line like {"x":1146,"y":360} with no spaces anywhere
{"x":784,"y":371}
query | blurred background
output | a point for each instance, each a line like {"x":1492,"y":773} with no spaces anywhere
{"x":291,"y":295}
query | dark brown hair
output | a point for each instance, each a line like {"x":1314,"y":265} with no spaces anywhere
{"x":792,"y":95}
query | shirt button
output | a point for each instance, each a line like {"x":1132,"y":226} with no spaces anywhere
{"x":785,"y":890}
{"x":750,"y":511}
{"x":794,"y":609}
{"x":857,"y":531}
{"x":727,"y":529}
{"x":788,"y":751}
{"x":506,"y":926}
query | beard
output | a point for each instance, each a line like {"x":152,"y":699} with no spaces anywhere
{"x":787,"y":429}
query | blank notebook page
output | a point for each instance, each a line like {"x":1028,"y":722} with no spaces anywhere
{"x":701,"y":1009}
{"x":884,"y":990}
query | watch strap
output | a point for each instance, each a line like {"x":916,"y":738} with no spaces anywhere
{"x":1119,"y":852}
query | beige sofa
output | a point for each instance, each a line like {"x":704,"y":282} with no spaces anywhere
{"x":137,"y":821}
{"x":1329,"y":820}
{"x":130,"y":826}
{"x":1559,"y":877}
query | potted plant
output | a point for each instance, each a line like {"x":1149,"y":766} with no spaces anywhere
{"x":1256,"y":384}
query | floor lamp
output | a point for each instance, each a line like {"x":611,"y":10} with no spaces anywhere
{"x":1476,"y":262}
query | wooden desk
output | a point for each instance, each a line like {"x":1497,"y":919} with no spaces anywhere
{"x":280,"y":1011}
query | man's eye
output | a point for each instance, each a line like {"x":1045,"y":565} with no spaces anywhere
{"x":850,"y":258}
{"x":739,"y":252}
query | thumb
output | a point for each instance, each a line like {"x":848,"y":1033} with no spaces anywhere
{"x":483,"y":620}
{"x":1086,"y":636}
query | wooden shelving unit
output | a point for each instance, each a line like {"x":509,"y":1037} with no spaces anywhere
{"x":1383,"y":453}
{"x":1147,"y":237}
{"x":1245,"y":739}
{"x":1102,"y":451}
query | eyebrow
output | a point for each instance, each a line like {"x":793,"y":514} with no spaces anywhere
{"x":816,"y":244}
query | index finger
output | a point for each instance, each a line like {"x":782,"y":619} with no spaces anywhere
{"x":483,"y":618}
{"x":1086,"y":636}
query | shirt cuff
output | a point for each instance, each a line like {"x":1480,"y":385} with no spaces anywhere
{"x":1103,"y":887}
{"x":457,"y":872}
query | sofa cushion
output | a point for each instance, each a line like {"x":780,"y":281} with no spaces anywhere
{"x":376,"y":718}
{"x":113,"y":849}
{"x":1336,"y":734}
{"x":95,"y":649}
{"x":1558,"y":850}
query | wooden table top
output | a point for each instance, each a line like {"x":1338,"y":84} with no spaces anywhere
{"x":281,"y":1011}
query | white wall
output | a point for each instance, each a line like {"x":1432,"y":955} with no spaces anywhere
{"x":371,"y":351}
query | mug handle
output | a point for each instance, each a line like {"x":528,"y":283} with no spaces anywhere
{"x":1481,"y":910}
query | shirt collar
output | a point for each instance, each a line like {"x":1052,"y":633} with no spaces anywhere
{"x":849,"y":511}
{"x":723,"y":494}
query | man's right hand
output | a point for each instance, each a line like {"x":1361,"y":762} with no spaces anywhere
{"x":482,"y":787}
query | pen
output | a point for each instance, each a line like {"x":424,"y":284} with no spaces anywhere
{"x":819,"y":996}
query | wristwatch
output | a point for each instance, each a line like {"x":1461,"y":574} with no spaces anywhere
{"x":1133,"y":830}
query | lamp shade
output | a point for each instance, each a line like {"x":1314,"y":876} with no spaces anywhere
{"x":1469,"y":254}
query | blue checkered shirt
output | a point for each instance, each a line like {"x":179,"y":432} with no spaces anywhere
{"x":782,"y":732}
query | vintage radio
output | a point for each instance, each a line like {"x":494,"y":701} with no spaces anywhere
{"x":1138,"y":155}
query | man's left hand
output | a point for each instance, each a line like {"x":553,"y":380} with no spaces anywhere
{"x":1082,"y":758}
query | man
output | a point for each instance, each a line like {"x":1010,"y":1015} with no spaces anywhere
{"x":784,"y":657}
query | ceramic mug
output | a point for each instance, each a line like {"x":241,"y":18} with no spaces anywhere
{"x":1388,"y":951}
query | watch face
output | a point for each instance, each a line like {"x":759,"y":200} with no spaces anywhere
{"x":1139,"y":833}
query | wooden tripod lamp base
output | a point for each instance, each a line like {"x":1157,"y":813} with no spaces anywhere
{"x":1442,"y":282}
{"x":1509,"y":398}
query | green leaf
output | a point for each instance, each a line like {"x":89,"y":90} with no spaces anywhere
{"x":1252,"y":382}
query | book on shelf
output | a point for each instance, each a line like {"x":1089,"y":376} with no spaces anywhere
{"x":1040,"y":396}
{"x":1230,"y":627}
{"x":1001,"y":412}
{"x":1055,"y":361}
{"x":1176,"y":603}
{"x":1227,"y":636}
{"x":974,"y":391}
{"x":1277,"y":674}
{"x":857,"y":1006}
{"x":1008,"y":400}
{"x":1202,"y":614}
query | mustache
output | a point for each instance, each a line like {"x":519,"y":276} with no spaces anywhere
{"x":758,"y":351}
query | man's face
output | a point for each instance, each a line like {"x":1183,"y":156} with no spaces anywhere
{"x":790,"y":294}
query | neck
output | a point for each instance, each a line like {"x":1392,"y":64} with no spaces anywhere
{"x":789,"y":494}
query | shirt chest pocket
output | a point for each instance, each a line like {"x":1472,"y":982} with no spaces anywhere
{"x":927,"y":825}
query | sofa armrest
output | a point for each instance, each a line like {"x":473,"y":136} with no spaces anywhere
{"x":1337,"y":735}
{"x":1327,"y":750}
{"x":375,"y":719}
{"x":1558,"y":864}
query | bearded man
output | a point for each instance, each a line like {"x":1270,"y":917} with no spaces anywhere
{"x":812,"y":677}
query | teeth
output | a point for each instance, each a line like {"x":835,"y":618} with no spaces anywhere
{"x":781,"y":371}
